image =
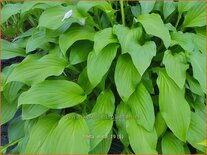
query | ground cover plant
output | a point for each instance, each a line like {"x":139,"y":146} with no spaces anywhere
{"x":85,"y":72}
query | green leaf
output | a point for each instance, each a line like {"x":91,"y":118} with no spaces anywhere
{"x":30,"y":6}
{"x":103,"y":38}
{"x":147,"y":140}
{"x":168,"y":8}
{"x":154,"y":25}
{"x":98,"y":65}
{"x":142,"y":56}
{"x":10,"y":9}
{"x":176,"y":66}
{"x":198,"y":62}
{"x":185,"y":40}
{"x":40,"y":132}
{"x":197,"y":132}
{"x":11,"y":91}
{"x":160,"y":124}
{"x":200,"y":41}
{"x":15,"y":129}
{"x":84,"y":6}
{"x":104,"y":146}
{"x":122,"y":111}
{"x":128,"y":38}
{"x":183,"y":6}
{"x":74,"y":34}
{"x":194,"y":86}
{"x":79,"y":52}
{"x":173,"y":106}
{"x":200,"y":110}
{"x":34,"y":69}
{"x":196,"y":16}
{"x":8,"y":110}
{"x":32,"y":111}
{"x":172,"y":145}
{"x":126,"y":77}
{"x":54,"y":94}
{"x":147,"y":7}
{"x":99,"y":126}
{"x":105,"y":103}
{"x":142,"y":107}
{"x":39,"y":40}
{"x":84,"y":82}
{"x":68,"y":137}
{"x":52,"y":18}
{"x":11,"y":50}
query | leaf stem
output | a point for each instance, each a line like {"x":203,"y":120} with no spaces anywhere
{"x":176,"y":25}
{"x":122,"y":12}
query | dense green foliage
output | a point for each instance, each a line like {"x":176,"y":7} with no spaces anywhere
{"x":94,"y":69}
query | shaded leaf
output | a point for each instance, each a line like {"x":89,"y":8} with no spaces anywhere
{"x":147,"y":7}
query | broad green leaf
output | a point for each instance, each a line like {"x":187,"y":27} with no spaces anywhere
{"x":176,"y":66}
{"x":84,"y":82}
{"x":198,"y":62}
{"x":32,"y":111}
{"x":105,"y":103}
{"x":194,"y":85}
{"x":200,"y":109}
{"x":126,"y":77}
{"x":142,"y":56}
{"x":174,"y":108}
{"x":8,"y":110}
{"x":128,"y":38}
{"x":185,"y":40}
{"x":31,"y":5}
{"x":141,"y":141}
{"x":104,"y":146}
{"x":99,"y":64}
{"x":200,"y":41}
{"x":69,"y":137}
{"x":142,"y":108}
{"x":103,"y":38}
{"x":74,"y":34}
{"x":11,"y":91}
{"x":197,"y":132}
{"x":79,"y":51}
{"x":196,"y":16}
{"x":136,"y":10}
{"x":54,"y":94}
{"x":147,"y":6}
{"x":168,"y":8}
{"x":40,"y":132}
{"x":8,"y":10}
{"x":53,"y":17}
{"x":154,"y":25}
{"x":172,"y":145}
{"x":34,"y":69}
{"x":15,"y":129}
{"x":99,"y":126}
{"x":122,"y":111}
{"x":11,"y":50}
{"x":39,"y":40}
{"x":84,"y":6}
{"x":203,"y":142}
{"x":183,"y":6}
{"x":160,"y":124}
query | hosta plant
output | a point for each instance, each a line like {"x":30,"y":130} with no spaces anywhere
{"x":89,"y":71}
